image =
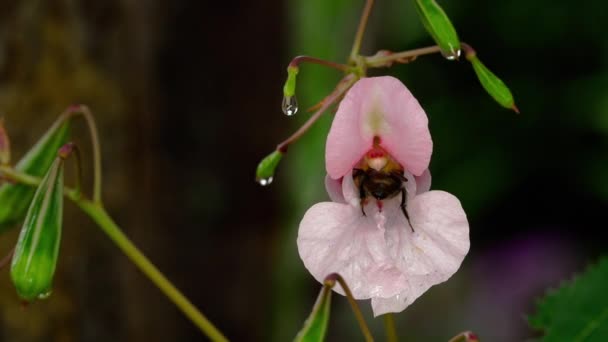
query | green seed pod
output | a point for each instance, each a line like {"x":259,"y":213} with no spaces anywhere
{"x":35,"y":257}
{"x":439,"y":26}
{"x":266,"y":168}
{"x":15,"y":198}
{"x":492,"y":84}
{"x":289,"y":89}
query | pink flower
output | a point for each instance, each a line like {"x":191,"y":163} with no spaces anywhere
{"x":379,"y":142}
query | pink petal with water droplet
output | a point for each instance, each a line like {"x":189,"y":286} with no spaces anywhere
{"x":378,"y":255}
{"x":433,"y":253}
{"x":378,"y":107}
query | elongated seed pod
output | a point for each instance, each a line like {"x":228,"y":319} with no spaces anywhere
{"x":37,"y":249}
{"x":15,"y":198}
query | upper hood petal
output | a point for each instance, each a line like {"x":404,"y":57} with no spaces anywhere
{"x":378,"y":107}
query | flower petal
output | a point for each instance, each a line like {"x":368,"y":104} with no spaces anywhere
{"x":378,"y":107}
{"x":423,"y":182}
{"x":433,"y":253}
{"x":337,"y":238}
{"x":334,"y":189}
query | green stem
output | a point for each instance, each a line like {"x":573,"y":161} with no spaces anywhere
{"x":342,"y":87}
{"x":88,"y":116}
{"x":389,"y":326}
{"x":105,"y":222}
{"x":330,"y":280}
{"x":354,"y":53}
{"x":96,"y":212}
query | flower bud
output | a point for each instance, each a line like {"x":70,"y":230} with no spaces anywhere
{"x":439,"y":26}
{"x":492,"y":84}
{"x":289,"y":89}
{"x":266,"y":168}
{"x":15,"y":198}
{"x":37,"y":249}
{"x":290,"y":103}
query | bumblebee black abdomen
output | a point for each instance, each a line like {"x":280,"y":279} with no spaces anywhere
{"x":382,"y":186}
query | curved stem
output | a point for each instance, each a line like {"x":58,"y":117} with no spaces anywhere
{"x":342,"y":87}
{"x":90,"y":121}
{"x":382,"y":60}
{"x":330,"y":280}
{"x":308,"y":59}
{"x":105,"y":222}
{"x":96,"y":212}
{"x":389,"y":326}
{"x":361,"y":30}
{"x":97,"y":176}
{"x":72,"y":149}
{"x":7,"y":259}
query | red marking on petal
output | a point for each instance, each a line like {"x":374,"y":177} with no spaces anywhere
{"x":380,"y":205}
{"x":376,"y":152}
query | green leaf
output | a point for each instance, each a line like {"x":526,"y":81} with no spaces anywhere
{"x":37,"y":249}
{"x":492,"y":84}
{"x":315,"y":326}
{"x":578,"y":310}
{"x":267,"y":167}
{"x":15,"y":198}
{"x":439,"y":26}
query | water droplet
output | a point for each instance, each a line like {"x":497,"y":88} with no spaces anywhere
{"x":453,"y":56}
{"x":45,"y":295}
{"x":265,"y":181}
{"x":290,"y":105}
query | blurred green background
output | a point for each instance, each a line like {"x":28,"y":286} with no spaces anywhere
{"x":187,"y":94}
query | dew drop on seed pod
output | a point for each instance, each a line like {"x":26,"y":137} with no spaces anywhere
{"x":265,"y":181}
{"x":290,"y":105}
{"x":453,"y":56}
{"x":45,"y":295}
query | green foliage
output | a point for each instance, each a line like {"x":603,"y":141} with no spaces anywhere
{"x":315,"y":326}
{"x":578,"y":310}
{"x":37,"y":250}
{"x":492,"y":84}
{"x":439,"y":27}
{"x":15,"y":198}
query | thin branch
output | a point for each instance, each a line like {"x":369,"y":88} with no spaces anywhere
{"x":7,"y":259}
{"x":330,"y":280}
{"x":308,"y":59}
{"x":389,"y":326}
{"x":384,"y":60}
{"x":98,"y":214}
{"x":342,"y":87}
{"x":361,"y":30}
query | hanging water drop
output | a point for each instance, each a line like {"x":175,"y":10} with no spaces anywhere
{"x":453,"y":56}
{"x":290,"y":105}
{"x":265,"y":181}
{"x":45,"y":295}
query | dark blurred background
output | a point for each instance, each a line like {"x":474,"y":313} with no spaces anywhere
{"x":187,"y":94}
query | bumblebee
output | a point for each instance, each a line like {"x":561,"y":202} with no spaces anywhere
{"x":380,"y":177}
